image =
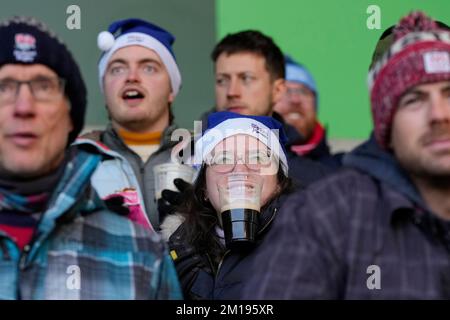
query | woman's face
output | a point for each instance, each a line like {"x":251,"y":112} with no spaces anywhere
{"x":245,"y":151}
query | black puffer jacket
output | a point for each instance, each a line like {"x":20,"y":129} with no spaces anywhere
{"x":200,"y":279}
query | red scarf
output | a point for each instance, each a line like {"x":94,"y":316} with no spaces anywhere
{"x":311,"y":144}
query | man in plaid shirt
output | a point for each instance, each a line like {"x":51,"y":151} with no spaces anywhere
{"x":57,"y":239}
{"x":379,"y":229}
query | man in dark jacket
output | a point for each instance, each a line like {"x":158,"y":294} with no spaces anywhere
{"x":380,"y":229}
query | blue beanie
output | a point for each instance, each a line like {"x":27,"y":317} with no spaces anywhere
{"x":295,"y":72}
{"x":132,"y":32}
{"x":224,"y":124}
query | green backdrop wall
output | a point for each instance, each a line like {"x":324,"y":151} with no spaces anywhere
{"x":332,"y":39}
{"x":192,"y":23}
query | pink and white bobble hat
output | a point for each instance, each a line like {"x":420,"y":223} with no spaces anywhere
{"x":420,"y":54}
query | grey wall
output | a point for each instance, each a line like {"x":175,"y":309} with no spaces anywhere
{"x":192,"y":22}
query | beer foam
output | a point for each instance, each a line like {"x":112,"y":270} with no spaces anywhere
{"x":240,"y":204}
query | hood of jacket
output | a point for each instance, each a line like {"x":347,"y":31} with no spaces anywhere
{"x":371,"y":159}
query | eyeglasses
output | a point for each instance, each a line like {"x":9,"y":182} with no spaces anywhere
{"x":43,"y":89}
{"x":225,"y":162}
{"x":299,"y":91}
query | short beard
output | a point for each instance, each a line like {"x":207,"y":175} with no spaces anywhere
{"x":133,"y":125}
{"x":427,"y":171}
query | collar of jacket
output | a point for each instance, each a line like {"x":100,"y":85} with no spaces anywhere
{"x":269,"y":213}
{"x":370,"y":159}
{"x":321,"y":150}
{"x":316,"y":147}
{"x":293,"y":136}
{"x":94,"y":139}
{"x":395,"y":209}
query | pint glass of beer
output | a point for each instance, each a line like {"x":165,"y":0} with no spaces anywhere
{"x":239,"y":195}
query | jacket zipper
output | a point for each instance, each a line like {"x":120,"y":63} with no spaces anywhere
{"x":275,"y":211}
{"x":220,"y":265}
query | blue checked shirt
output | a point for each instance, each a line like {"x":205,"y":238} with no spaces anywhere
{"x":81,"y":250}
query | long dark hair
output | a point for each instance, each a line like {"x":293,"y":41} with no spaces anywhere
{"x":201,"y":217}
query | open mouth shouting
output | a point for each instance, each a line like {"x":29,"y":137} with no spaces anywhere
{"x":133,"y":96}
{"x":294,"y":116}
